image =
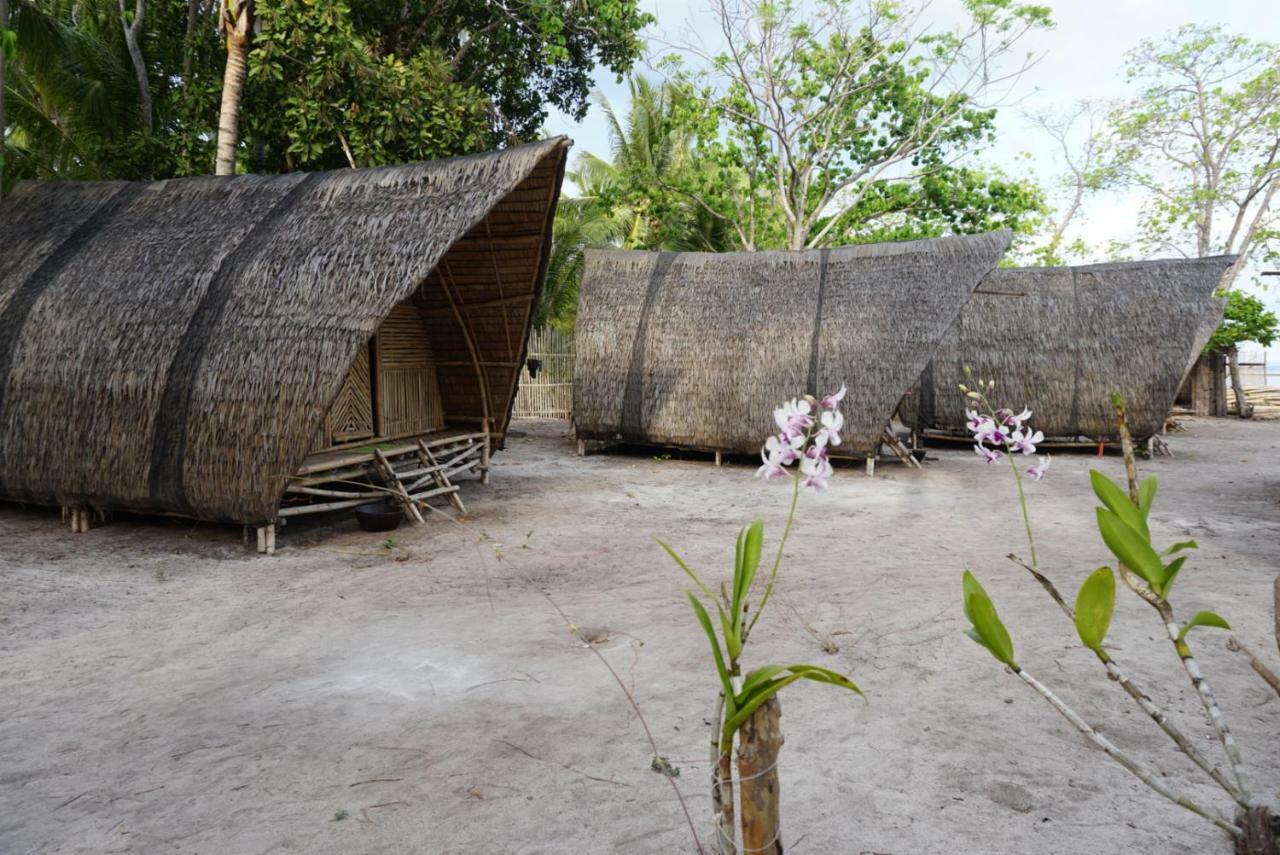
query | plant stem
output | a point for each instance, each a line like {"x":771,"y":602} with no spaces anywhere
{"x":1120,"y":757}
{"x":1026,"y":514}
{"x":1207,"y":698}
{"x":653,"y":743}
{"x":777,"y":560}
{"x":1142,"y":699}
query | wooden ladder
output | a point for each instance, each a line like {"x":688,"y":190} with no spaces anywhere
{"x":439,"y":476}
{"x":388,"y":473}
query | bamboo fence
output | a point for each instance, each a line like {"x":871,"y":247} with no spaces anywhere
{"x":549,"y":395}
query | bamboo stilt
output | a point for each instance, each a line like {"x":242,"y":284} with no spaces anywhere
{"x":718,"y":461}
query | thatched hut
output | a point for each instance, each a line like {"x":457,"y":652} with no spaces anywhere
{"x":191,"y":346}
{"x":1062,"y":340}
{"x":694,"y":350}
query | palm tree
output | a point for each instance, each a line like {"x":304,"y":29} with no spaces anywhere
{"x":582,"y":222}
{"x":71,"y":98}
{"x":237,"y":23}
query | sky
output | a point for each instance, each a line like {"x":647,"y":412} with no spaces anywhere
{"x":1081,"y":57}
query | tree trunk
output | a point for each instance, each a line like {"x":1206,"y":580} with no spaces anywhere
{"x":1244,"y":409}
{"x":132,"y":29}
{"x":4,"y":124}
{"x":1260,"y":832}
{"x":237,"y":22}
{"x":759,"y":741}
{"x":1206,"y":385}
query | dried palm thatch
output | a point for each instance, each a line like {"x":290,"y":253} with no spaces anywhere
{"x":175,"y":346}
{"x":695,"y":350}
{"x":1062,"y":340}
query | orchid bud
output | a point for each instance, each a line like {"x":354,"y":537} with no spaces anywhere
{"x":813,"y":402}
{"x":977,"y":396}
{"x":964,"y":388}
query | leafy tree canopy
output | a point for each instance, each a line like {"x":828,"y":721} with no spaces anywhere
{"x":330,"y":84}
{"x":1246,"y":319}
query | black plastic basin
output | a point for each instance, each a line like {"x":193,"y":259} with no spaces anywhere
{"x":379,"y":516}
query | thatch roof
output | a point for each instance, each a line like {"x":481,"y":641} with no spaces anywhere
{"x":1061,"y":340}
{"x":696,"y":349}
{"x":173,"y":346}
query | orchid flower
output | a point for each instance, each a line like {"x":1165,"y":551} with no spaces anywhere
{"x":832,"y":402}
{"x":1025,"y":443}
{"x":1037,"y":472}
{"x":988,"y":454}
{"x":975,"y":420}
{"x":772,"y":467}
{"x":829,"y":433}
{"x":815,"y":472}
{"x":785,"y":449}
{"x":1015,"y":420}
{"x":793,"y":417}
{"x":992,"y":433}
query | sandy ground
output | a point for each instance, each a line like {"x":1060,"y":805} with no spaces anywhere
{"x":163,"y":690}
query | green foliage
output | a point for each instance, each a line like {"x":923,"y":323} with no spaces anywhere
{"x":818,"y":126}
{"x":1203,"y":619}
{"x":330,"y":84}
{"x":726,"y":648}
{"x":1246,"y":318}
{"x":1202,"y":139}
{"x":986,"y":629}
{"x":1124,"y":529}
{"x":1095,"y":605}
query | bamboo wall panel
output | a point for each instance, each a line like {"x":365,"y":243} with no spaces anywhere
{"x":351,"y":416}
{"x":697,"y":349}
{"x":550,"y":394}
{"x":1062,"y":340}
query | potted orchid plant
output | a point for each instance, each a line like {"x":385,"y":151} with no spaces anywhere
{"x":747,"y":711}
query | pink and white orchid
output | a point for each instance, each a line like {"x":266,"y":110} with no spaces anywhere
{"x":793,"y":417}
{"x":832,"y":401}
{"x":975,"y":420}
{"x":1015,"y":420}
{"x":988,"y":454}
{"x":1025,"y":443}
{"x":992,"y":433}
{"x":815,"y":471}
{"x":1037,"y":472}
{"x":804,"y":436}
{"x":828,"y":433}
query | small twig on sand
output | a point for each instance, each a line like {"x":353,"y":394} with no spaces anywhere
{"x":1234,"y":644}
{"x":653,"y":744}
{"x":564,"y":766}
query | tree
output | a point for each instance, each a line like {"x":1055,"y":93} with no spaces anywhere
{"x":808,"y":112}
{"x":8,"y":40}
{"x":237,"y":24}
{"x":1203,"y":139}
{"x":131,"y":25}
{"x":581,"y":223}
{"x":1082,"y":139}
{"x":1246,"y":318}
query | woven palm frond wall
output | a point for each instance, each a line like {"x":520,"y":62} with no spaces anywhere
{"x":175,"y":346}
{"x":1062,"y":340}
{"x":695,"y":350}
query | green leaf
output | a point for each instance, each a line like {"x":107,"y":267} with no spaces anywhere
{"x":1115,"y":498}
{"x":1131,"y":548}
{"x":751,"y":542}
{"x":8,"y":43}
{"x":687,"y":569}
{"x":705,"y":620}
{"x":1203,"y":619}
{"x":987,"y":628}
{"x":1146,"y":494}
{"x":1095,"y":604}
{"x":1170,"y":573}
{"x":764,"y":683}
{"x":1179,"y":546}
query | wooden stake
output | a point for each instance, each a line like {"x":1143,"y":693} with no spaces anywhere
{"x":484,"y":455}
{"x":262,"y":540}
{"x":871,"y":461}
{"x":759,"y":741}
{"x":717,"y":458}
